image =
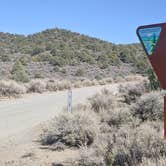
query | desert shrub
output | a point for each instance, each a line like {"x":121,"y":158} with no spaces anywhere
{"x":131,"y":91}
{"x":88,"y":157}
{"x":124,"y":55}
{"x":95,"y":82}
{"x":109,"y":109}
{"x":149,"y":106}
{"x":80,"y":73}
{"x":72,"y":129}
{"x":113,"y":59}
{"x":95,"y":155}
{"x":119,"y":79}
{"x":103,"y":65}
{"x":37,"y":86}
{"x":24,"y":60}
{"x":102,"y":82}
{"x":44,"y":56}
{"x":63,"y":70}
{"x":105,"y":81}
{"x":20,"y":76}
{"x":98,"y":77}
{"x":108,"y":80}
{"x":104,"y":61}
{"x":84,"y":83}
{"x":153,"y":162}
{"x":11,"y":89}
{"x":56,"y":69}
{"x":51,"y":85}
{"x":77,"y":84}
{"x":133,"y":144}
{"x":141,"y":64}
{"x":38,"y":75}
{"x":84,"y":57}
{"x":57,"y":61}
{"x":19,"y":73}
{"x":87,"y":82}
{"x":5,"y":58}
{"x":102,"y":101}
{"x":37,"y":50}
{"x":118,"y":117}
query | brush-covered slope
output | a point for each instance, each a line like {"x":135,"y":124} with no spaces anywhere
{"x":60,"y":53}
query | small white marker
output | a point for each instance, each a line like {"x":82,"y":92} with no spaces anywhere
{"x":69,"y":105}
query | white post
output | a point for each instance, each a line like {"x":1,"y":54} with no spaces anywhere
{"x":69,"y":102}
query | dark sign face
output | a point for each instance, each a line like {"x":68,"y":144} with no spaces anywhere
{"x":153,"y":40}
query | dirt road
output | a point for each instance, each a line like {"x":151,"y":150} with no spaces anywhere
{"x":17,"y":115}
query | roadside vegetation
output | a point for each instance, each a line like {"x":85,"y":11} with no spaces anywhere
{"x":112,"y":130}
{"x":11,"y":88}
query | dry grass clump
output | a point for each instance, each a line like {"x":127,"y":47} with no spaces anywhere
{"x":102,"y":82}
{"x":149,"y":106}
{"x":119,"y":79}
{"x":37,"y":86}
{"x":10,"y":88}
{"x":77,"y":84}
{"x":72,"y":130}
{"x":87,"y":82}
{"x":131,"y":91}
{"x":136,"y":78}
{"x":108,"y":80}
{"x":102,"y":101}
{"x":63,"y":84}
{"x":52,"y":85}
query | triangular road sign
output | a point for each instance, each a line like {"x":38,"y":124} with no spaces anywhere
{"x":149,"y":38}
{"x":153,"y":39}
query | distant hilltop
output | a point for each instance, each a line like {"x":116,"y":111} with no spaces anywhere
{"x":60,"y":53}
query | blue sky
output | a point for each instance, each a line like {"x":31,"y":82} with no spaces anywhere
{"x":111,"y":20}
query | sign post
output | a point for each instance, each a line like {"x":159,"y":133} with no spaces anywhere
{"x":69,"y":102}
{"x":164,"y":117}
{"x":153,"y":40}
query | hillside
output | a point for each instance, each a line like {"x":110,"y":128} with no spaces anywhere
{"x":58,"y":53}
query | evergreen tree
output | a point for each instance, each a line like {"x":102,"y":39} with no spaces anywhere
{"x":154,"y":83}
